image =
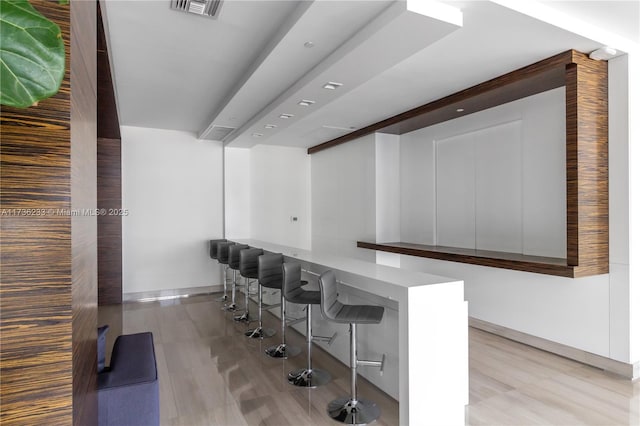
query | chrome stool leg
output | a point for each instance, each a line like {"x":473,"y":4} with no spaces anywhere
{"x":259,"y":332}
{"x":224,"y":297}
{"x":353,"y":410}
{"x":310,"y":377}
{"x":232,"y":307}
{"x":282,"y":351}
{"x":245,"y":317}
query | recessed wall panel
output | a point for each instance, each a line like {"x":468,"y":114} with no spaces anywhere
{"x":455,"y":191}
{"x":498,"y":183}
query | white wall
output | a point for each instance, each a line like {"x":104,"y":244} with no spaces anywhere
{"x":343,"y":198}
{"x":279,"y":193}
{"x":172,"y":187}
{"x":237,"y":192}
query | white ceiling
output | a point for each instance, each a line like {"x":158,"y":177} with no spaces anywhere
{"x":243,"y":69}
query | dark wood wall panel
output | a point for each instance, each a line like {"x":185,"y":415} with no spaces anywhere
{"x":109,"y":180}
{"x":110,"y":225}
{"x":47,"y":298}
{"x":108,"y":123}
{"x":35,"y":297}
{"x":84,"y":263}
{"x":587,"y":166}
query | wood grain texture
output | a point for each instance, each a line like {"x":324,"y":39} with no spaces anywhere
{"x":84,"y":268}
{"x":47,"y":299}
{"x":35,"y":298}
{"x":514,"y":261}
{"x":587,"y":162}
{"x":110,"y":225}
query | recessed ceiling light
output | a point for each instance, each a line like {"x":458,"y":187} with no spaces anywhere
{"x":286,"y":116}
{"x":309,"y":44}
{"x":270,"y":126}
{"x":257,"y":135}
{"x":460,"y":110}
{"x":306,"y":102}
{"x":332,"y":85}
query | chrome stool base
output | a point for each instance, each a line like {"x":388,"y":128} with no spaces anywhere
{"x":222,"y":298}
{"x":282,"y":351}
{"x":242,"y":318}
{"x":260,"y":333}
{"x":231,"y":308}
{"x":353,"y":411}
{"x":309,"y":378}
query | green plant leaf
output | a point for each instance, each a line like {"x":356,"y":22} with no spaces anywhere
{"x":31,"y":55}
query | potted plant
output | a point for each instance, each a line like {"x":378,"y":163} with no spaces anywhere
{"x":32,"y":55}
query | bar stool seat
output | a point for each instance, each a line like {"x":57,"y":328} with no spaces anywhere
{"x":350,"y":410}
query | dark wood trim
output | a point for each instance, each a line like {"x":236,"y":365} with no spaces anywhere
{"x":587,"y":160}
{"x":108,"y":123}
{"x":109,"y":180}
{"x":518,"y":262}
{"x":109,"y":225}
{"x":587,"y":173}
{"x":84,"y":264}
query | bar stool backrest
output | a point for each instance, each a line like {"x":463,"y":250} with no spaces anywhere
{"x":223,"y":252}
{"x":291,"y":281}
{"x":213,"y":248}
{"x":234,"y":255}
{"x":249,"y":262}
{"x":329,"y":304}
{"x":270,"y":270}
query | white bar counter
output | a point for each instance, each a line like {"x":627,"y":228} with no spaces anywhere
{"x":432,"y":335}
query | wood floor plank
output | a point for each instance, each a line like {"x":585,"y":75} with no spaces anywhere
{"x":210,"y":374}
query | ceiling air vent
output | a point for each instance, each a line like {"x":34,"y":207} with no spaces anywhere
{"x":210,"y":8}
{"x":218,"y":133}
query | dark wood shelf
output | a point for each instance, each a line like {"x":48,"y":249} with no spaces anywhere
{"x":495,"y":259}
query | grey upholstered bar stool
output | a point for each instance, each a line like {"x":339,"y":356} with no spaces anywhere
{"x":213,"y":253}
{"x":293,"y":292}
{"x":270,"y":276}
{"x":234,"y":265}
{"x":249,"y":270}
{"x":223,"y":258}
{"x":247,"y":259}
{"x":350,"y":410}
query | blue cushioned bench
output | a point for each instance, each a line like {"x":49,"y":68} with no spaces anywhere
{"x":128,"y":392}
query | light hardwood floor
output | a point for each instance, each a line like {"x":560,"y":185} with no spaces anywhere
{"x":210,"y":374}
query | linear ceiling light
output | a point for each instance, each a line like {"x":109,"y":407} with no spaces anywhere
{"x":286,"y":116}
{"x":331,"y":85}
{"x":306,"y":102}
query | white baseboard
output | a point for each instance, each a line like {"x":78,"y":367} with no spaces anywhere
{"x":629,"y":371}
{"x":177,"y":293}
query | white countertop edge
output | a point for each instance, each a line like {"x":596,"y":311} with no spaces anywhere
{"x":383,"y":273}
